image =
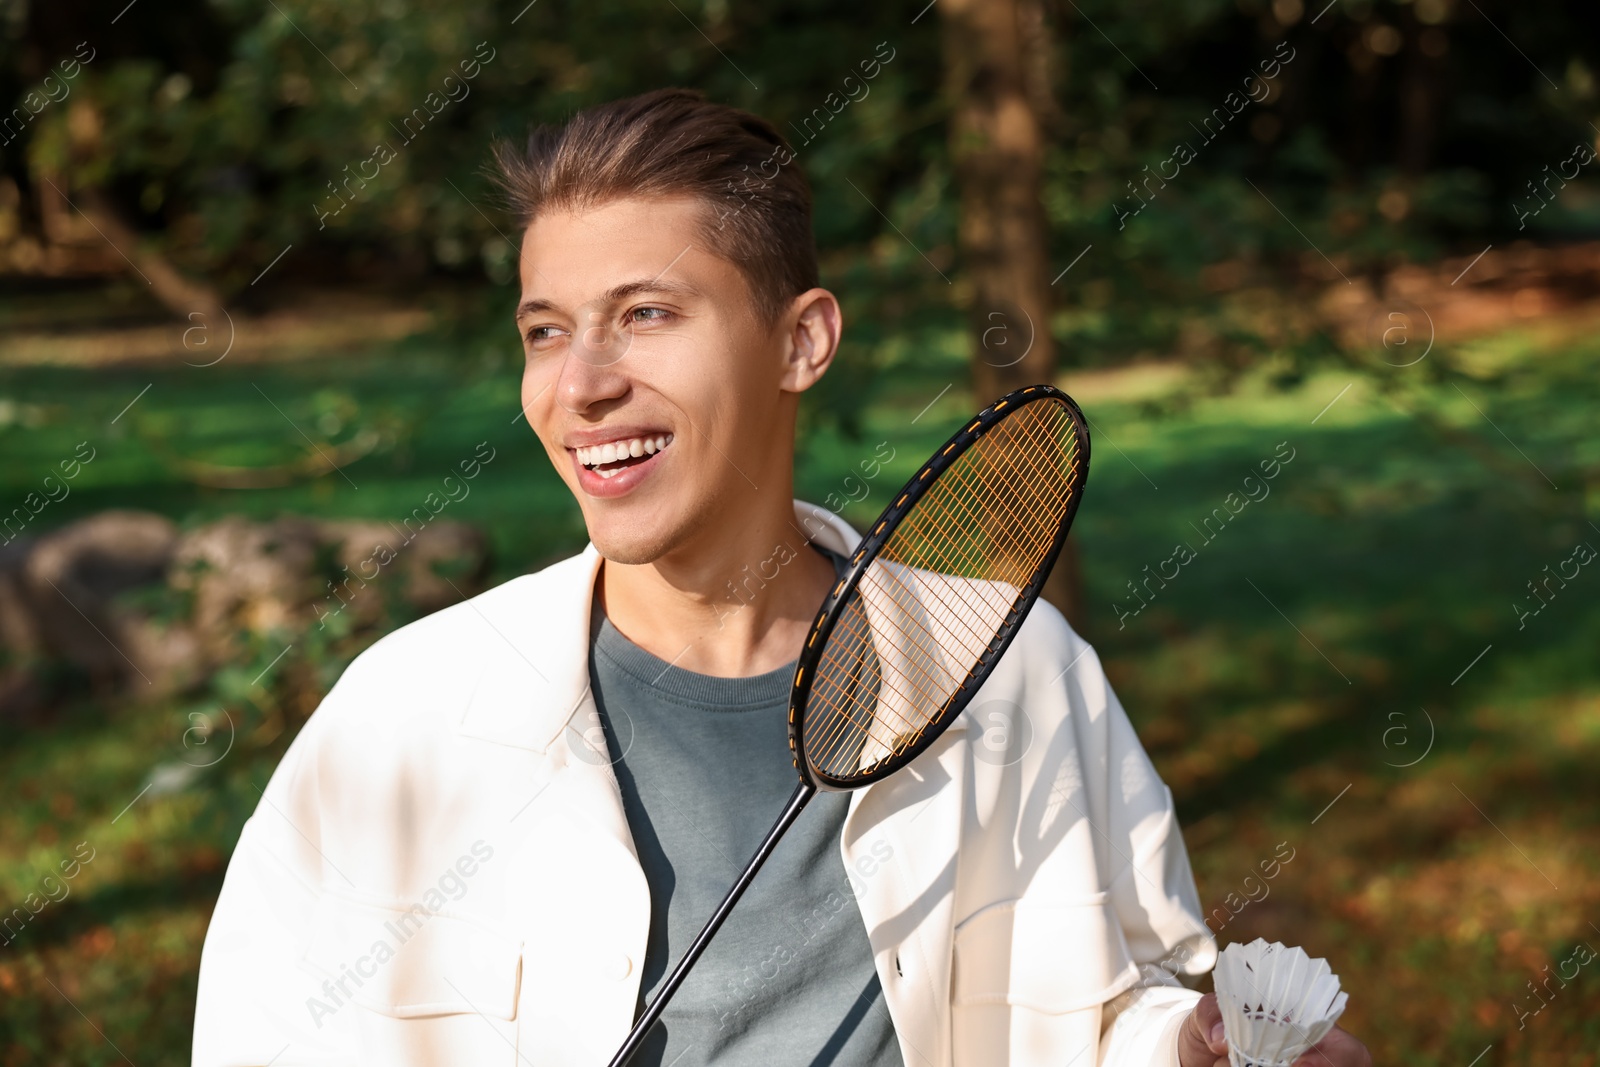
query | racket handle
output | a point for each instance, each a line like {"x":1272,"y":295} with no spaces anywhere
{"x":797,"y":802}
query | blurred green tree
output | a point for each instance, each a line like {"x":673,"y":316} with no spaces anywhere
{"x":215,"y":134}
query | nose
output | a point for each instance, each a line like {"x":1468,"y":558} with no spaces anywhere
{"x":592,"y":370}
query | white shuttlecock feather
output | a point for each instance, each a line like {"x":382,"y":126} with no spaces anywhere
{"x":1276,"y":1002}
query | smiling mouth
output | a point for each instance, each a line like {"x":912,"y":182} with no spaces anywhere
{"x":608,"y":459}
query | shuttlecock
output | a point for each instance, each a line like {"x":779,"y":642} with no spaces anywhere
{"x":1276,"y":1002}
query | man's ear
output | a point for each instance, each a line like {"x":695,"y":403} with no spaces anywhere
{"x":812,"y":339}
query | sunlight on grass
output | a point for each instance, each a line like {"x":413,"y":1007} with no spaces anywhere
{"x":1439,"y":867}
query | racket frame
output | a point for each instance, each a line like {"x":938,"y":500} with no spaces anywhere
{"x":882,"y":529}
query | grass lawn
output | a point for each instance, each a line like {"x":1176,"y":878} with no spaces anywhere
{"x":1337,"y":672}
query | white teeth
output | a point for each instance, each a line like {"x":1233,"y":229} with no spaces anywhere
{"x":612,"y":451}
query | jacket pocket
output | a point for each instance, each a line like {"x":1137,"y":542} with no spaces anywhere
{"x":1052,"y":958}
{"x":406,"y":981}
{"x":1028,"y":981}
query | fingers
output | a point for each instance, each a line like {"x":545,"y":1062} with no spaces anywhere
{"x":1209,"y":1018}
{"x":1339,"y":1049}
{"x":1201,"y":1042}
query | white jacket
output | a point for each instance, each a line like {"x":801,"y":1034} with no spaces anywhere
{"x":440,"y":870}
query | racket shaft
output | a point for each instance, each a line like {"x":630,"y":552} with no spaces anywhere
{"x":797,"y":802}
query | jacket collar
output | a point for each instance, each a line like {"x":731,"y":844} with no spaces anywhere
{"x":534,"y":635}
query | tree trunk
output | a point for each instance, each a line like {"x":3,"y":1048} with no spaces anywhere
{"x":188,"y":299}
{"x":996,"y":150}
{"x":184,"y":297}
{"x":1421,"y":93}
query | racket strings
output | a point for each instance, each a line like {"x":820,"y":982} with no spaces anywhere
{"x":906,"y":682}
{"x":919,"y":636}
{"x":920,"y":674}
{"x":987,"y":563}
{"x":922,"y":618}
{"x":924,"y":644}
{"x":966,"y":488}
{"x":859,"y":637}
{"x":973,"y":649}
{"x":927,"y":655}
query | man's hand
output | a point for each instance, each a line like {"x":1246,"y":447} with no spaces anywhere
{"x":1201,"y":1044}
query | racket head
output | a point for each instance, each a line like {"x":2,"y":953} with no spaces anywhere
{"x":916,"y":624}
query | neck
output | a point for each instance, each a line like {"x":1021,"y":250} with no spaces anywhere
{"x":736,"y":602}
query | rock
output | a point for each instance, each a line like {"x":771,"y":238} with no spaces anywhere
{"x":245,"y":576}
{"x":21,"y":643}
{"x":73,"y":581}
{"x":128,"y":600}
{"x":425,"y":569}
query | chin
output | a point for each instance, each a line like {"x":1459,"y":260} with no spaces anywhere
{"x":630,"y":543}
{"x":639,"y":538}
{"x":627,"y":552}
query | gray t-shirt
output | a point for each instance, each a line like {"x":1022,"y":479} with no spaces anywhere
{"x":705,"y":769}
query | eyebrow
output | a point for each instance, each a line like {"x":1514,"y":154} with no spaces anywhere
{"x":615,"y":294}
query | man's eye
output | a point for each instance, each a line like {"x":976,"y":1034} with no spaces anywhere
{"x":542,"y":333}
{"x":650,"y":314}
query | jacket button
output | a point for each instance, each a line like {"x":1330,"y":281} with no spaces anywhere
{"x":620,"y":967}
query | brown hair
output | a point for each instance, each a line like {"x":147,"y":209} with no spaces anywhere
{"x":676,"y":142}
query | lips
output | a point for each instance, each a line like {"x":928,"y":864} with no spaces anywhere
{"x":613,"y":456}
{"x":614,"y":468}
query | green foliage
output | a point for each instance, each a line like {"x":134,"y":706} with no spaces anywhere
{"x":356,"y":133}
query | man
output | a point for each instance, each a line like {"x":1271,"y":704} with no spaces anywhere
{"x":507,"y":820}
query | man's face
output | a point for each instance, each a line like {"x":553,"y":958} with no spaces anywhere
{"x":650,"y":379}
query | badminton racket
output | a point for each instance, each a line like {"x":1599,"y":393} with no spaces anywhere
{"x":931,"y":598}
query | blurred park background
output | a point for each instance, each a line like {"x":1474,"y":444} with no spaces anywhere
{"x":255,"y":305}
